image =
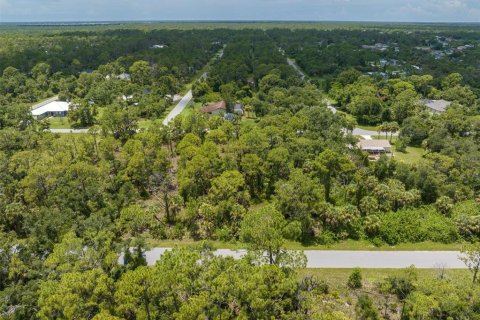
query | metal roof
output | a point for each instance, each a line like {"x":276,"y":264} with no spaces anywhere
{"x":52,"y":106}
{"x":373,"y":144}
{"x":437,"y":105}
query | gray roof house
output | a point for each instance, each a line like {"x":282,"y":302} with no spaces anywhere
{"x":436,"y":106}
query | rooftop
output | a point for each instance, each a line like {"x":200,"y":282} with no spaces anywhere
{"x":221,"y":105}
{"x":436,"y":105}
{"x":50,"y":105}
{"x":374,"y":144}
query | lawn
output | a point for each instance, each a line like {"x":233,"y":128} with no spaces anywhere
{"x":337,"y":278}
{"x":59,"y":123}
{"x":145,"y":123}
{"x":410,"y":156}
{"x":343,"y":245}
{"x":192,"y":106}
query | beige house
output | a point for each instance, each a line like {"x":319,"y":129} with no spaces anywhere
{"x":436,"y":106}
{"x":375,"y":148}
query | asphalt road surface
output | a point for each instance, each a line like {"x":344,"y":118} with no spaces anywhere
{"x":362,"y":132}
{"x":352,"y":259}
{"x":178,"y":108}
{"x":68,"y":130}
{"x":294,"y":66}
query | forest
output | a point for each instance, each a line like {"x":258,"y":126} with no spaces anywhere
{"x":285,"y":175}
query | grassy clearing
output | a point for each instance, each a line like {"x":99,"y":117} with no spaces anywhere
{"x":145,"y":123}
{"x":412,"y":155}
{"x":59,"y":123}
{"x":344,"y":245}
{"x":337,"y":278}
{"x":371,"y":128}
{"x":191,"y":107}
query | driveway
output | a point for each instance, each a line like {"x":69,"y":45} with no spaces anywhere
{"x":352,"y":259}
{"x":178,"y":108}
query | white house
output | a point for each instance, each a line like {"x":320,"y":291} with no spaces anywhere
{"x":50,"y":107}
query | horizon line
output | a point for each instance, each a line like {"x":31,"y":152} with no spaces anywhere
{"x":228,"y":21}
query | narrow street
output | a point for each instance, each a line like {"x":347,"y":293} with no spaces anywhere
{"x":353,"y":259}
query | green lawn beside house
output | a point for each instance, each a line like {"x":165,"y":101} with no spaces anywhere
{"x":59,"y":123}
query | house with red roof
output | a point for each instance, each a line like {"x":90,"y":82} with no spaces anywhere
{"x":217,"y":108}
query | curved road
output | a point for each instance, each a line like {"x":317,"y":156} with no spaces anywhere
{"x":352,"y":259}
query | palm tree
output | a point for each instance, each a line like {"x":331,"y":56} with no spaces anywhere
{"x":385,"y":127}
{"x":394,"y":127}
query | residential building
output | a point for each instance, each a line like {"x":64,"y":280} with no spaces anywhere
{"x":217,"y":108}
{"x":375,"y":148}
{"x":50,"y":108}
{"x":436,"y":106}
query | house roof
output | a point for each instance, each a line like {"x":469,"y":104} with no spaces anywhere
{"x":221,"y":105}
{"x":50,"y":106}
{"x":45,"y":102}
{"x":437,"y":105}
{"x":373,"y":144}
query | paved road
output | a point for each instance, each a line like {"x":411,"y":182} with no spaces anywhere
{"x":178,"y":108}
{"x":352,"y":259}
{"x":300,"y":73}
{"x":362,"y":132}
{"x":68,"y":130}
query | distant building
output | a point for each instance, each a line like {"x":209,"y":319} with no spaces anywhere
{"x":436,"y":106}
{"x":375,"y":148}
{"x":50,"y":108}
{"x":159,"y":46}
{"x":376,"y":47}
{"x":124,"y":76}
{"x":424,"y":48}
{"x":215,"y":108}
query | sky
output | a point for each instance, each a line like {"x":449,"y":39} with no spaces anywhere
{"x":296,"y":10}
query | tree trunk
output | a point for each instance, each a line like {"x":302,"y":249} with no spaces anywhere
{"x":327,"y":189}
{"x":166,"y":201}
{"x":147,"y":302}
{"x":475,"y":273}
{"x":270,"y":255}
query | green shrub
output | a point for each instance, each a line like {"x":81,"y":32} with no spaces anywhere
{"x":355,"y":279}
{"x":417,"y":225}
{"x":365,"y":309}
